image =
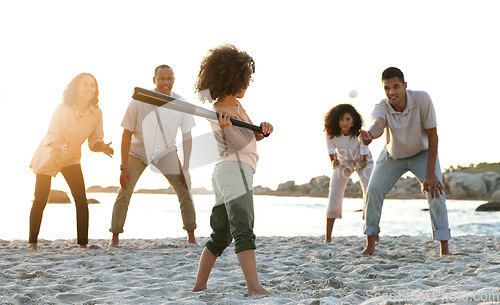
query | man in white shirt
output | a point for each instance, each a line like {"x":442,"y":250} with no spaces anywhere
{"x":149,"y":138}
{"x":409,"y":121}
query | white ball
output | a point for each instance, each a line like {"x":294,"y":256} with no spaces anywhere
{"x":353,"y":93}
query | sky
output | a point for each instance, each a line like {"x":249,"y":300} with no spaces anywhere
{"x":309,"y":55}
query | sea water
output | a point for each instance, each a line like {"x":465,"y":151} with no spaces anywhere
{"x":154,"y":216}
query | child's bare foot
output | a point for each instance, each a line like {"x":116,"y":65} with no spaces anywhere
{"x":114,"y":241}
{"x":33,"y":246}
{"x":199,"y":288}
{"x":367,"y":251}
{"x":258,"y":291}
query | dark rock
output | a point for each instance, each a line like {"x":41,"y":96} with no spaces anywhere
{"x":92,"y":201}
{"x":489,"y":207}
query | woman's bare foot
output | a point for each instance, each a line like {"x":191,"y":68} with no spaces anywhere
{"x":259,"y":291}
{"x":33,"y":246}
{"x":83,"y":246}
{"x":200,"y":288}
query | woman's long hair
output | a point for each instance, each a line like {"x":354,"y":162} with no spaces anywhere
{"x":71,"y":92}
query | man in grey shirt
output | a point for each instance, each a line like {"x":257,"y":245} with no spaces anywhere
{"x":409,"y":121}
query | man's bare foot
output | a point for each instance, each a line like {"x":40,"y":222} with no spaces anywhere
{"x":83,"y":246}
{"x":200,"y":288}
{"x":377,"y":238}
{"x":114,"y":241}
{"x":259,"y":291}
{"x":444,"y":250}
{"x":33,"y":246}
{"x":190,"y":238}
{"x":327,"y":240}
{"x":370,"y":245}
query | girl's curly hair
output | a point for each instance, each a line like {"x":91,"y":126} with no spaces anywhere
{"x":225,"y":70}
{"x":333,"y":117}
{"x":71,"y":92}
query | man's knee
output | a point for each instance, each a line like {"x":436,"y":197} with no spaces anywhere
{"x":376,"y":189}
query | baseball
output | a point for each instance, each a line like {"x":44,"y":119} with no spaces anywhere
{"x":353,"y":93}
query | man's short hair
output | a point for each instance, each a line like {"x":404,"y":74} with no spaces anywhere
{"x":393,"y":72}
{"x":161,"y":67}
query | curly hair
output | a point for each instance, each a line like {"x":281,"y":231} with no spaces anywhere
{"x":333,"y":117}
{"x":71,"y":92}
{"x":225,"y":70}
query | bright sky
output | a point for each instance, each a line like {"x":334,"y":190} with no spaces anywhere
{"x":308,"y":54}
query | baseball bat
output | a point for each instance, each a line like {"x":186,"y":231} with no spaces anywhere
{"x":163,"y":100}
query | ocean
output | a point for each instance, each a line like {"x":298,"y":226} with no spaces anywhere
{"x":153,"y":216}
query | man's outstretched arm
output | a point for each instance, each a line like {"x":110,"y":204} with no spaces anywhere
{"x":375,"y":131}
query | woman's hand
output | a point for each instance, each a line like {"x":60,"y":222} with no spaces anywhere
{"x":108,"y":150}
{"x":360,"y":165}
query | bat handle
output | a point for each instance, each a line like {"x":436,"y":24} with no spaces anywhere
{"x":252,"y":127}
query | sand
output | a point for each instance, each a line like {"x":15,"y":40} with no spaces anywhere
{"x":297,"y":270}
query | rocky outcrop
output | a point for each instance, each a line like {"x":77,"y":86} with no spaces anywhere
{"x":169,"y":190}
{"x":496,"y":196}
{"x":317,"y":187}
{"x":465,"y":185}
{"x":406,"y":188}
{"x":472,"y":183}
{"x":56,"y":196}
{"x":457,"y":185}
{"x":100,"y":189}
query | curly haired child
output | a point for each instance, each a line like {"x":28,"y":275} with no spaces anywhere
{"x":226,"y":72}
{"x":347,"y":155}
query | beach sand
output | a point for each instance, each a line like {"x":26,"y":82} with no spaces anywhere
{"x":297,"y":270}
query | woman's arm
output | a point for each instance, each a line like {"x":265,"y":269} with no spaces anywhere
{"x":105,"y":148}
